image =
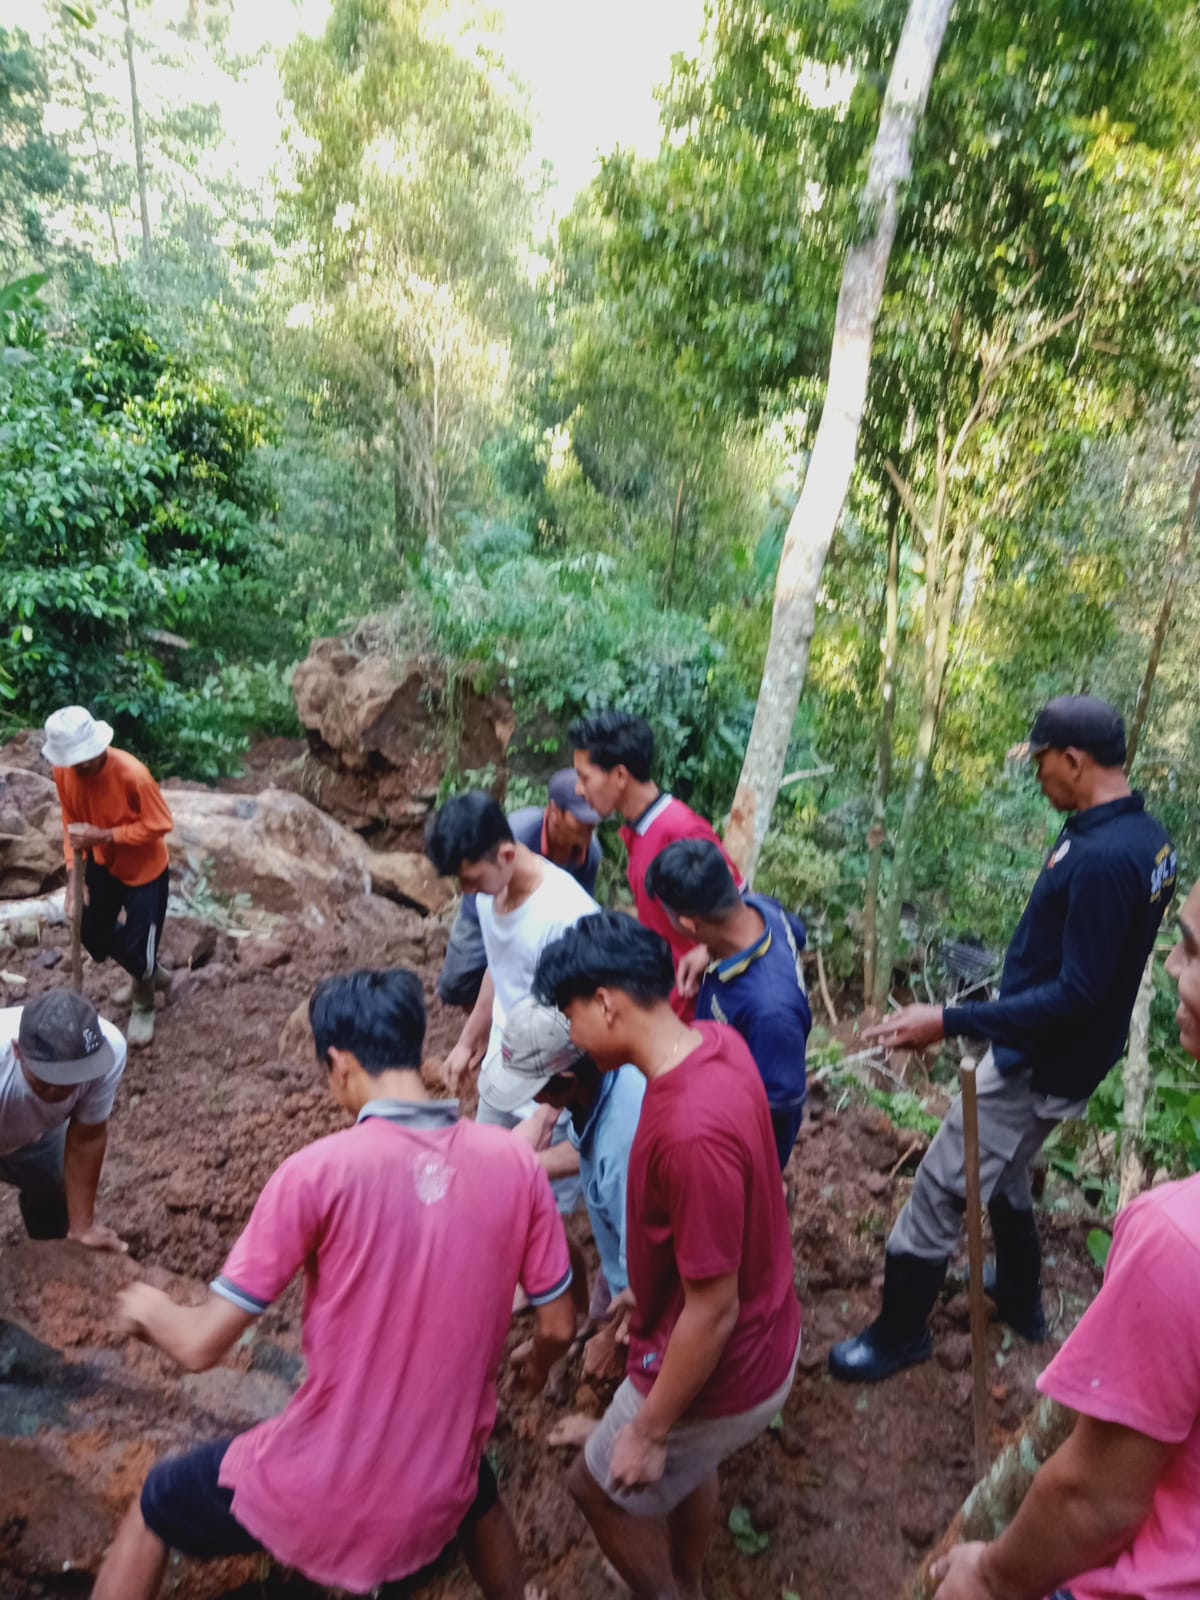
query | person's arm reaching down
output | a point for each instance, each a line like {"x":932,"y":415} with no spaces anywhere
{"x":472,"y":1041}
{"x":83,"y":1162}
{"x":1082,"y":1510}
{"x":195,"y":1336}
{"x":708,"y":1318}
{"x":553,"y":1331}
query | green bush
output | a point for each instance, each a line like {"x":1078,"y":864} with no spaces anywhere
{"x":571,"y":635}
{"x":131,"y":503}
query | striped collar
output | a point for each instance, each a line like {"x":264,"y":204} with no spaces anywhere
{"x":733,"y":966}
{"x":420,"y":1115}
{"x":651,"y":815}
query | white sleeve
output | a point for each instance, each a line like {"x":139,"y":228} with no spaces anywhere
{"x":96,"y":1102}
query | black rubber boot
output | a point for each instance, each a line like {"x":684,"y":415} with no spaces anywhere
{"x":899,"y":1337}
{"x":1016,"y":1282}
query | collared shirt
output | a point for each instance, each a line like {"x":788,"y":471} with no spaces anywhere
{"x":665,"y":821}
{"x":1134,"y":1360}
{"x":24,"y":1119}
{"x":604,"y":1143}
{"x":413,"y":1230}
{"x":760,"y":992}
{"x":1073,"y":967}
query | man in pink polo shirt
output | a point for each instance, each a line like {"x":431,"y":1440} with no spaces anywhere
{"x":378,"y":1462}
{"x":1113,"y":1513}
{"x":614,"y":757}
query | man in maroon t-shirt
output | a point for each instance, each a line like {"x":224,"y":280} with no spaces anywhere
{"x":714,"y":1329}
{"x":614,"y":755}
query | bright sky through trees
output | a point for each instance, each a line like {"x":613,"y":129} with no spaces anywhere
{"x":591,"y":71}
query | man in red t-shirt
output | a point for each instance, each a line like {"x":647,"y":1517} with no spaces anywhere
{"x":714,"y":1329}
{"x":614,"y":755}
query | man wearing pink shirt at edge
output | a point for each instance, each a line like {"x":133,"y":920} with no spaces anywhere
{"x":378,"y":1462}
{"x":614,"y":759}
{"x":1113,"y":1513}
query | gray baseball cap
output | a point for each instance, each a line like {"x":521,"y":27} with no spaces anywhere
{"x":563,"y":790}
{"x":61,"y":1039}
{"x":537,"y":1047}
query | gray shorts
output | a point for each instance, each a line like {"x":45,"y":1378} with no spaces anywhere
{"x":696,"y":1446}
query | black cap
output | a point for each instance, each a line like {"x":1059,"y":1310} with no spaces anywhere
{"x":62,"y":1041}
{"x":1080,"y":722}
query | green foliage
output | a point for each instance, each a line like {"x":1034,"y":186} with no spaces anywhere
{"x":1099,"y":1243}
{"x":130,"y":494}
{"x":33,"y":167}
{"x":568,"y":639}
{"x":749,"y":1539}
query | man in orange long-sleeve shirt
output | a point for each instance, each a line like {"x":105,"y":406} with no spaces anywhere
{"x":113,"y":809}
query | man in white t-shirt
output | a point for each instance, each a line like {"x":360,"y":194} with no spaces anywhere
{"x":60,"y":1067}
{"x":524,"y":903}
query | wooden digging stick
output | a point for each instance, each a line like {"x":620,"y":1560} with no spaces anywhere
{"x":979,"y":1369}
{"x":78,"y":869}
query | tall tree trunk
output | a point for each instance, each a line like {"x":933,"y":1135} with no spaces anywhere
{"x":1142,"y":709}
{"x":819,"y":508}
{"x":676,"y":525}
{"x":941,"y":607}
{"x":103,"y":168}
{"x":1136,"y":1078}
{"x":138,"y":144}
{"x":884,"y":750}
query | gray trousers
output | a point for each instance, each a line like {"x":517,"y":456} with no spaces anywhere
{"x":1014,"y":1123}
{"x":36,"y":1172}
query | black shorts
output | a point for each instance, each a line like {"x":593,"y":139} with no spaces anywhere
{"x":184,"y":1505}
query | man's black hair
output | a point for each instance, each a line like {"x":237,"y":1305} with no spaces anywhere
{"x":613,"y":739}
{"x":470,"y":828}
{"x":604,"y":951}
{"x":692,"y":878}
{"x":378,"y":1016}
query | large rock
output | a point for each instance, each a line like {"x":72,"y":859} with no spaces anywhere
{"x":31,"y":838}
{"x":408,"y":877}
{"x":380,"y":731}
{"x":275,"y":848}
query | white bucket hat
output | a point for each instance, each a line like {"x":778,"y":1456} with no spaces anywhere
{"x":73,"y":735}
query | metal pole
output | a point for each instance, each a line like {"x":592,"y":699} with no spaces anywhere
{"x":979,"y":1367}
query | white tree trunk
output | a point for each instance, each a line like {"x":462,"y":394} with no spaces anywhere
{"x":811,"y":529}
{"x":1137,"y":1091}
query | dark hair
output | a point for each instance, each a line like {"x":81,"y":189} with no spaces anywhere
{"x":470,"y":828}
{"x":379,"y":1016}
{"x":613,"y":739}
{"x":605,"y":950}
{"x":692,"y":878}
{"x":584,"y":1071}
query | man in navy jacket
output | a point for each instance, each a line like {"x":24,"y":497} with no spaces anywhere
{"x":1060,"y":1024}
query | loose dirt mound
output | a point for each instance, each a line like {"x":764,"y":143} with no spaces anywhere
{"x":847,"y":1492}
{"x":377,"y":728}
